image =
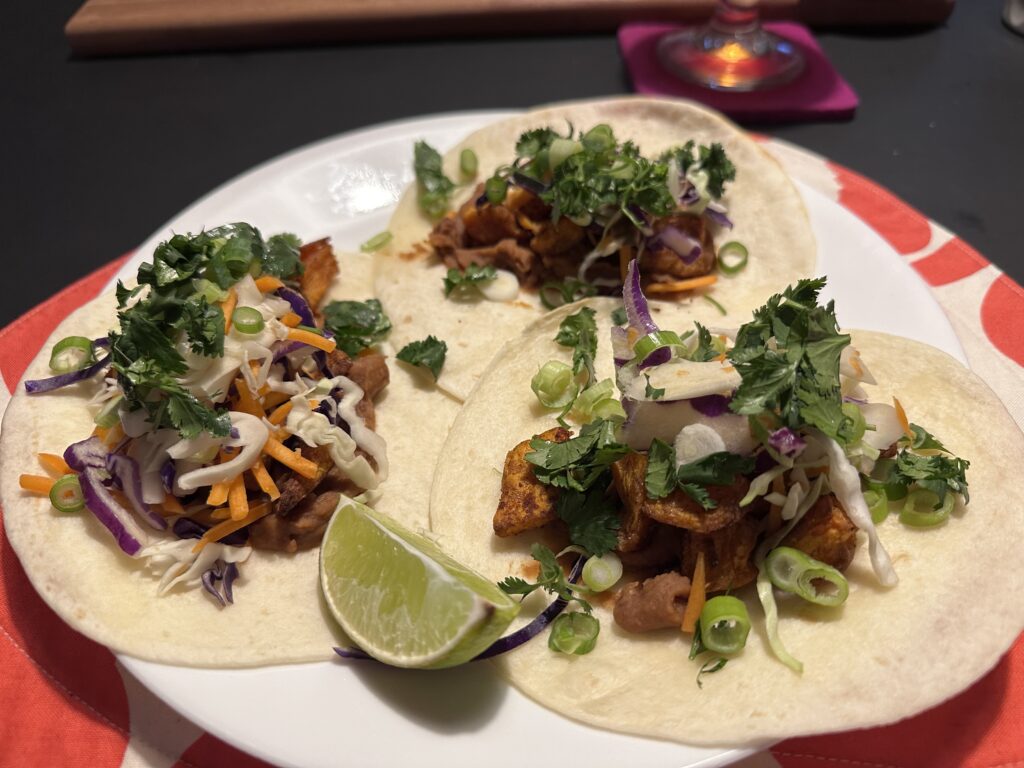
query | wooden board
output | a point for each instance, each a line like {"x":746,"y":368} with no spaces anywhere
{"x":103,"y":27}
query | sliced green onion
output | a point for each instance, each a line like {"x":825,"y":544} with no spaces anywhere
{"x":860,"y":424}
{"x":590,"y":397}
{"x":569,"y":290}
{"x":554,"y":385}
{"x":609,"y":409}
{"x":715,"y":304}
{"x":72,"y":353}
{"x":599,"y":138}
{"x":652,"y":342}
{"x":495,"y":189}
{"x":66,"y":494}
{"x":880,"y":479}
{"x":724,"y":624}
{"x":794,"y":571}
{"x":468,"y":163}
{"x":878,"y":504}
{"x":922,"y":509}
{"x":247,"y":320}
{"x":109,"y":414}
{"x":732,"y":257}
{"x":561,"y":150}
{"x":601,"y":573}
{"x":377,"y":242}
{"x":574,"y":633}
{"x":209,"y":290}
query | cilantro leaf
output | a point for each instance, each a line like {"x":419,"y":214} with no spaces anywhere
{"x":706,"y":348}
{"x":938,"y":474}
{"x":660,"y":478}
{"x":554,"y":294}
{"x":652,"y":393}
{"x":281,"y":257}
{"x":356,"y":325}
{"x":663,"y":477}
{"x":578,"y":331}
{"x":435,"y":188}
{"x":204,"y":325}
{"x":551,"y":579}
{"x":579,"y":462}
{"x":471,"y":277}
{"x":925,"y":440}
{"x":592,"y":519}
{"x":428,"y":353}
{"x":619,"y":316}
{"x":711,"y":160}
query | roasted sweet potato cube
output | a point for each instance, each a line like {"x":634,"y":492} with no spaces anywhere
{"x":826,"y":534}
{"x":727,"y":554}
{"x":319,"y":268}
{"x":525,"y":502}
{"x":635,"y":526}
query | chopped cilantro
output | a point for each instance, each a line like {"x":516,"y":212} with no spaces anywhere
{"x":551,"y":579}
{"x":579,"y":462}
{"x":579,"y":332}
{"x":652,"y":393}
{"x":938,"y":474}
{"x":592,"y":519}
{"x":356,"y":325}
{"x":663,"y":477}
{"x":427,"y":353}
{"x":619,"y":316}
{"x":708,"y":347}
{"x":473,"y":276}
{"x":925,"y":440}
{"x":435,"y":188}
{"x":281,"y":257}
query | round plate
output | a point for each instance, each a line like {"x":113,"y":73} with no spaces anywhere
{"x":368,"y":714}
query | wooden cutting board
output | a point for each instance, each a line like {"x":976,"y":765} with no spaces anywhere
{"x":103,"y":27}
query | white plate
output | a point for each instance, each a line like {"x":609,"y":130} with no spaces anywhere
{"x":363,"y":714}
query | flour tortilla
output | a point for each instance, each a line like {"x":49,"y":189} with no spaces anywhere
{"x":767,"y":211}
{"x":885,"y":655}
{"x":278,"y":616}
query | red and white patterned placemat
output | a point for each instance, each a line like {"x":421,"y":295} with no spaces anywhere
{"x":65,"y":701}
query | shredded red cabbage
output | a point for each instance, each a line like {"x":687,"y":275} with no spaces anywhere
{"x":711,"y":405}
{"x":718,"y":216}
{"x":126,"y":472}
{"x":220,"y":572}
{"x":299,"y":304}
{"x":36,"y":386}
{"x":112,"y":515}
{"x":673,"y":238}
{"x":187,"y":528}
{"x":638,"y":313}
{"x":787,"y":442}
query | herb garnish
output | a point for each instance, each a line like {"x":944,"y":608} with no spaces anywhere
{"x":472,"y":277}
{"x":579,"y":332}
{"x":577,"y":463}
{"x":551,"y":579}
{"x":356,"y":325}
{"x":435,"y":188}
{"x":591,"y":517}
{"x":568,"y":291}
{"x":711,"y":160}
{"x":650,"y":392}
{"x":937,"y":473}
{"x":428,"y":353}
{"x":619,"y":316}
{"x":709,"y":667}
{"x":663,"y":477}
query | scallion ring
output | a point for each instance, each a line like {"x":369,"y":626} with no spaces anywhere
{"x":878,"y":504}
{"x":724,"y":624}
{"x":376,"y":242}
{"x":608,"y":409}
{"x":652,"y":342}
{"x":574,"y":633}
{"x":247,"y":320}
{"x":495,"y":189}
{"x":554,"y":385}
{"x":468,"y":163}
{"x":860,"y":424}
{"x":72,"y":354}
{"x":66,"y":494}
{"x":882,"y":479}
{"x":602,"y":573}
{"x":590,"y":397}
{"x":922,"y":508}
{"x":732,"y":257}
{"x":109,"y":414}
{"x":816,"y":582}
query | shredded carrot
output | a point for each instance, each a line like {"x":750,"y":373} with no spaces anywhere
{"x":698,"y":596}
{"x":281,"y":413}
{"x":238,"y":502}
{"x":246,"y":402}
{"x":274,"y":399}
{"x":101,"y":433}
{"x":219,"y":493}
{"x":902,"y":416}
{"x":277,"y":450}
{"x":54,"y":464}
{"x":172,"y":505}
{"x":290,"y":319}
{"x":264,"y":480}
{"x":219,"y":531}
{"x":112,"y":436}
{"x":228,"y":306}
{"x":625,"y":256}
{"x":36,"y":483}
{"x":221,"y":514}
{"x":312,"y":339}
{"x":268,"y":283}
{"x":682,"y":285}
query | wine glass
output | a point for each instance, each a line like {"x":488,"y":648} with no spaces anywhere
{"x":732,"y":52}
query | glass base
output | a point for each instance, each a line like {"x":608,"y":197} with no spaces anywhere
{"x":729,"y":61}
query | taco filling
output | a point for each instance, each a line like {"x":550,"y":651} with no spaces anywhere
{"x":569,"y":212}
{"x":232,"y":409}
{"x":736,"y":458}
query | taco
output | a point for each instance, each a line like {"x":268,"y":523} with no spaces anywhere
{"x":715,"y":481}
{"x":195,"y":547}
{"x":550,"y":205}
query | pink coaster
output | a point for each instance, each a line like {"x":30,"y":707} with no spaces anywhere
{"x":819,"y":92}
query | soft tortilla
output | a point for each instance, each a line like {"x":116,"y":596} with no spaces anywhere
{"x":886,"y":655}
{"x":767,"y":211}
{"x":278,"y":615}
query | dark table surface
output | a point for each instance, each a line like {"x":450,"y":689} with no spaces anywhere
{"x":97,"y":154}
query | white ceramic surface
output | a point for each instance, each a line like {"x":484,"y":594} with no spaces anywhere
{"x":350,"y":713}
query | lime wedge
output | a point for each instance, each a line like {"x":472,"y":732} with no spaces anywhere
{"x":403,"y":600}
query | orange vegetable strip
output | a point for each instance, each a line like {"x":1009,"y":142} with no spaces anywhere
{"x":281,"y":413}
{"x":313,"y":339}
{"x":113,"y":435}
{"x":682,"y":285}
{"x":221,"y":514}
{"x":171,"y":504}
{"x":228,"y":306}
{"x":264,"y":480}
{"x":101,"y":433}
{"x":268,"y":283}
{"x":902,"y":416}
{"x":698,"y":596}
{"x":219,"y":531}
{"x":54,"y":464}
{"x":290,"y":319}
{"x":277,"y":450}
{"x":36,"y":483}
{"x":238,"y":502}
{"x":246,"y":402}
{"x":219,"y":493}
